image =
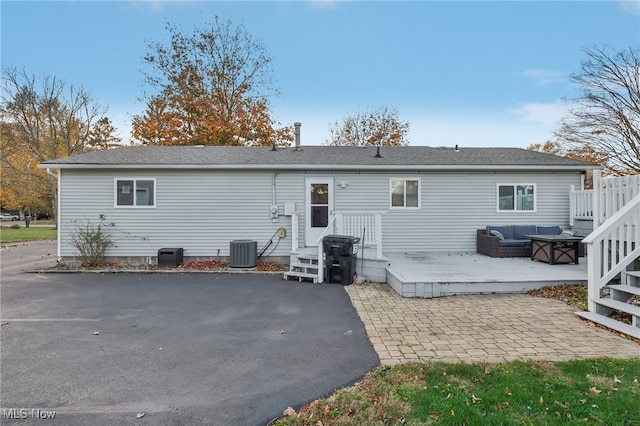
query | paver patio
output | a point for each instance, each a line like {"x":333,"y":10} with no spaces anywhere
{"x":479,"y":328}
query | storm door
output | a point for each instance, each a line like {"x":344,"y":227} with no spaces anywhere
{"x":319,"y":208}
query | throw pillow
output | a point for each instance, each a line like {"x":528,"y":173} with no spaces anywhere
{"x":497,"y":234}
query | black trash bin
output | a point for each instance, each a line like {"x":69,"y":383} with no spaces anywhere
{"x":340,"y":253}
{"x":170,"y":257}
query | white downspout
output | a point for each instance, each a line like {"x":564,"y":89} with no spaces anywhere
{"x":57,"y":176}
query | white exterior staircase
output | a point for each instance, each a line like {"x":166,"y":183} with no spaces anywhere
{"x":623,"y":299}
{"x":613,"y":252}
{"x":304,"y":266}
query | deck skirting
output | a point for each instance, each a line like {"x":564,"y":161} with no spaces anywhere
{"x":438,"y":274}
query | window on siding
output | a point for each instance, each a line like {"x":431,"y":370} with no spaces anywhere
{"x":405,"y":193}
{"x":135,"y":192}
{"x":516,"y":197}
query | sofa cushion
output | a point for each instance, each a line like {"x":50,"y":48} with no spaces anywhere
{"x":519,"y":231}
{"x":515,"y":243}
{"x":549,"y":230}
{"x":568,"y":233}
{"x":504,"y":230}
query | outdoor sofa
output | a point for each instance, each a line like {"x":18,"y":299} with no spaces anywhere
{"x":511,"y":240}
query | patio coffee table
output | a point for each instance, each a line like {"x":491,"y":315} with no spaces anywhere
{"x":554,"y":248}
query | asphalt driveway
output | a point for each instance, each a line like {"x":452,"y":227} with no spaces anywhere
{"x":184,"y":349}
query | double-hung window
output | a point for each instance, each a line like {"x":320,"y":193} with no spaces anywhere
{"x":135,"y":192}
{"x":516,"y":197}
{"x":404,"y":193}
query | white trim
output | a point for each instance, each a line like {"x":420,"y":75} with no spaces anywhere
{"x":134,"y":189}
{"x":515,"y":210}
{"x":405,"y":179}
{"x":58,"y":221}
{"x":318,"y":167}
{"x":310,"y":238}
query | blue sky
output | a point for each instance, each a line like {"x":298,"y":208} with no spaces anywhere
{"x":472,"y":73}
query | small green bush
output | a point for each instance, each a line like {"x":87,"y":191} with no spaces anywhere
{"x":92,"y":241}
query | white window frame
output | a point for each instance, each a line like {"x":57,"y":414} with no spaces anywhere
{"x":134,"y":205}
{"x":515,"y":203}
{"x":404,"y":207}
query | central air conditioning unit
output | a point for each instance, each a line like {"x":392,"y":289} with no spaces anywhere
{"x":243,"y":254}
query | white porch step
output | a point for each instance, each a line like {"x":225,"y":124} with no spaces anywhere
{"x":631,"y":278}
{"x":625,"y":289}
{"x":611,"y":323}
{"x":307,"y":256}
{"x":303,"y":266}
{"x":301,"y":275}
{"x":619,"y":306}
{"x":299,"y":265}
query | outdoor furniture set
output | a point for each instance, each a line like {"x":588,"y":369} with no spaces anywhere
{"x":549,"y":244}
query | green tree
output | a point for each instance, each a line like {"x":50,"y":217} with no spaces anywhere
{"x":212,"y":89}
{"x":606,"y":115}
{"x":378,"y":126}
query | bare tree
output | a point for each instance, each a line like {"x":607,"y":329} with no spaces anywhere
{"x":582,"y":152}
{"x":44,"y":119}
{"x":379,"y":126}
{"x":606,"y":117}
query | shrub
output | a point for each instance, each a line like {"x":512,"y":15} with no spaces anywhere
{"x":92,"y":241}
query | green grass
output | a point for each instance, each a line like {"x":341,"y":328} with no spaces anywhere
{"x":44,"y":222}
{"x":22,"y":234}
{"x":593,"y":392}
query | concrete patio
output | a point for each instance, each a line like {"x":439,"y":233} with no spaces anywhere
{"x":435,"y":274}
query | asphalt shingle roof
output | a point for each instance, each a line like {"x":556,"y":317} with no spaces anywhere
{"x":317,"y":157}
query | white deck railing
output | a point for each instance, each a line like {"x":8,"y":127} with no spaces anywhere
{"x":362,"y":224}
{"x":353,"y":224}
{"x":612,"y":194}
{"x":581,"y":205}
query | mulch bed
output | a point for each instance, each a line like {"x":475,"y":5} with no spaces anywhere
{"x":192,"y":266}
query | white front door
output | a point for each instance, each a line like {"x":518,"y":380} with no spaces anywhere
{"x":318,"y":208}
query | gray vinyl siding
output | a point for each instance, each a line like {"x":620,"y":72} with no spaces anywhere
{"x":203,"y":210}
{"x":453,"y":206}
{"x":200,"y":211}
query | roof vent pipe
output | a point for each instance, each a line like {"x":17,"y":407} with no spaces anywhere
{"x":378,"y":153}
{"x":297,"y":125}
{"x":456,"y":148}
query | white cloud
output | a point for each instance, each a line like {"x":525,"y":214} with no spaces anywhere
{"x":548,"y":114}
{"x":544,"y":77}
{"x":631,"y":7}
